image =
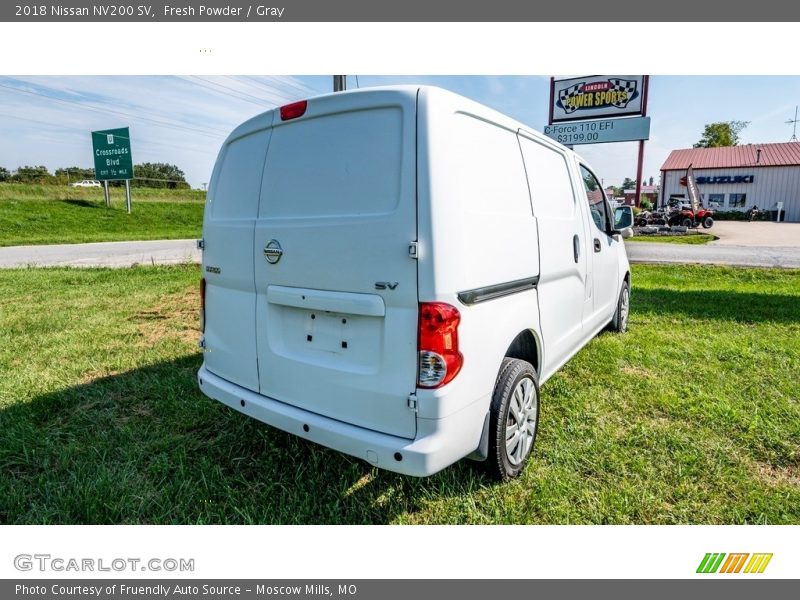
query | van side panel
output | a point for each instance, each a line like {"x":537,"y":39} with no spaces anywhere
{"x":565,"y":249}
{"x":476,"y":229}
{"x":229,"y":221}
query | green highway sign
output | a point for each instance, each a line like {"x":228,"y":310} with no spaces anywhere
{"x":112,"y":154}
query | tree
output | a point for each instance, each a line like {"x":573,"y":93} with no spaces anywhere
{"x":628,"y":184}
{"x":159,"y":175}
{"x":645,"y":204}
{"x":651,"y":180}
{"x":721,"y":133}
{"x":5,"y":174}
{"x":70,"y":174}
{"x":29,"y":174}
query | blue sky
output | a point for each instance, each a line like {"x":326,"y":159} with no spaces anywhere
{"x":47,"y":119}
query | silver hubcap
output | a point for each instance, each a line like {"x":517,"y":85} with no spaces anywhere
{"x":521,"y":421}
{"x":623,"y":310}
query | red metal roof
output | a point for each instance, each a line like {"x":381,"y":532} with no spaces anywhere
{"x":772,"y":155}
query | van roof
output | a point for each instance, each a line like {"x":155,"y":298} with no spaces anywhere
{"x":266,"y":119}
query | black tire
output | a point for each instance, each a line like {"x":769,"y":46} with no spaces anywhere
{"x":687,"y":222}
{"x":708,"y":223}
{"x":642,"y":223}
{"x":619,"y":323}
{"x":514,"y":374}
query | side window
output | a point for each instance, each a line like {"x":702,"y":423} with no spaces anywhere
{"x":598,"y":207}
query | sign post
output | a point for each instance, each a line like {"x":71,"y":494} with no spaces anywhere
{"x":640,"y":163}
{"x":113,"y":160}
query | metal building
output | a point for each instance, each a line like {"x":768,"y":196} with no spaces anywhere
{"x":738,"y":177}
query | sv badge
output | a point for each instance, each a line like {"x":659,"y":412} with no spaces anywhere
{"x":386,"y":285}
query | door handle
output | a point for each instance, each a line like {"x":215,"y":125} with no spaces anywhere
{"x":576,"y":247}
{"x":596,"y":245}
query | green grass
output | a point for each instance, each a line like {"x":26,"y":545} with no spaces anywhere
{"x":693,"y":239}
{"x":691,"y":417}
{"x":47,"y":214}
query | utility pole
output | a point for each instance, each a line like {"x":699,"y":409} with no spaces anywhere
{"x":339,"y":83}
{"x":793,"y":122}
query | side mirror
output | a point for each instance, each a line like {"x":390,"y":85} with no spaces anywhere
{"x":623,"y":218}
{"x":625,"y":233}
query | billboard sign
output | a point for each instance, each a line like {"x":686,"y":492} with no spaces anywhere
{"x":595,"y":97}
{"x":599,"y":131}
{"x":112,"y":154}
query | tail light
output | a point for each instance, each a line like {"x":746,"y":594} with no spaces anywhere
{"x":203,"y":305}
{"x":439,"y":358}
{"x":293,"y":110}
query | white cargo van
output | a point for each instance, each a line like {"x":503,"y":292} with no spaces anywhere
{"x":393,"y":272}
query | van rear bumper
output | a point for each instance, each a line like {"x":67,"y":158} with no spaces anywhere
{"x":439,"y":442}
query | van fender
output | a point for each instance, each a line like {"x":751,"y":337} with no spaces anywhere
{"x":525,"y":346}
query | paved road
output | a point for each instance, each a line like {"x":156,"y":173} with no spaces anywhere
{"x":103,"y":254}
{"x":124,"y":254}
{"x":744,"y":256}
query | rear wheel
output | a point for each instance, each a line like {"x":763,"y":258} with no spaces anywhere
{"x":514,"y":419}
{"x":619,"y":323}
{"x":708,"y":222}
{"x":687,"y":222}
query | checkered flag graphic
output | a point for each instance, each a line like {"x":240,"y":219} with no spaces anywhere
{"x":623,"y":85}
{"x":567,"y":93}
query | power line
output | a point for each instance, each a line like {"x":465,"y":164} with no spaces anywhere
{"x":207,"y":132}
{"x":275,"y":95}
{"x":239,"y":95}
{"x":138,"y":141}
{"x":290,"y":82}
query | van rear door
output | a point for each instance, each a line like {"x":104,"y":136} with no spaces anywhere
{"x":336,"y":306}
{"x":228,"y":224}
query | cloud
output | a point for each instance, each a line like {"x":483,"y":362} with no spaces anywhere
{"x":181,"y":120}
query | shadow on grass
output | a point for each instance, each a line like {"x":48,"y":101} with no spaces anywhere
{"x":145,"y":446}
{"x":82,"y":203}
{"x":742,"y":307}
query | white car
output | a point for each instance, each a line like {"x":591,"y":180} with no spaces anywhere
{"x":393,"y":273}
{"x":86,"y":183}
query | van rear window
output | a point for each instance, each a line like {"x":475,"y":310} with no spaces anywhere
{"x":344,"y":164}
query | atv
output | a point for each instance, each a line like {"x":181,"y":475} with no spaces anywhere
{"x":681,"y":213}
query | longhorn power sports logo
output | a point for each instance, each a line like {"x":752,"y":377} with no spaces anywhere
{"x":597,"y":94}
{"x":736,"y":562}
